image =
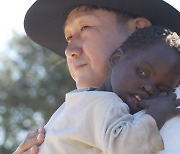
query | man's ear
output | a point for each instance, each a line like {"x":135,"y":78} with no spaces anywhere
{"x":140,"y":22}
{"x":115,"y":57}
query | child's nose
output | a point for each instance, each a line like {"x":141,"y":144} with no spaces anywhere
{"x":150,"y":89}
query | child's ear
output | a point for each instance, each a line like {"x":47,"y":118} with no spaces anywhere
{"x":115,"y":57}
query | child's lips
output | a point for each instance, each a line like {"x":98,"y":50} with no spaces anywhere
{"x":132,"y":102}
{"x":134,"y":99}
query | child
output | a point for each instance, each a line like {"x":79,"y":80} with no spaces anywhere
{"x":98,"y":121}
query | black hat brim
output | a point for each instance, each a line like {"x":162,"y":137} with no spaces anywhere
{"x":44,"y":21}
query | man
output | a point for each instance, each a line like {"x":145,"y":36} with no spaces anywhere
{"x":48,"y":20}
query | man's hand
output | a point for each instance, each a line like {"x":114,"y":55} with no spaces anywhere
{"x":162,"y":107}
{"x":31,"y":142}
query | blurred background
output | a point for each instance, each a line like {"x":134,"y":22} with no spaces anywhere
{"x":32,"y":84}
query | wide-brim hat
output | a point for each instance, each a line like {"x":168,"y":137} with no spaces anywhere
{"x":44,"y":21}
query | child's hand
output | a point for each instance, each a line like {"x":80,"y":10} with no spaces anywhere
{"x":31,"y":142}
{"x":162,"y":107}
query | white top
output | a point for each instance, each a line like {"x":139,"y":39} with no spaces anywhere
{"x":97,"y":122}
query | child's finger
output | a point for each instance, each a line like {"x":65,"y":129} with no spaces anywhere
{"x":178,"y":111}
{"x":172,"y":96}
{"x":163,"y":94}
{"x":143,"y":104}
{"x":177,"y":102}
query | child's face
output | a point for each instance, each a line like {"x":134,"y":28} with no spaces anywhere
{"x":143,"y":74}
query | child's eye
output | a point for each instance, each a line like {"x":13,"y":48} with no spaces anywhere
{"x":161,"y":89}
{"x":142,"y":72}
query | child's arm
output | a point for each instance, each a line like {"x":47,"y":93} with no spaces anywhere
{"x":129,"y":136}
{"x":119,"y":132}
{"x":170,"y":133}
{"x":162,"y":108}
{"x":124,"y":134}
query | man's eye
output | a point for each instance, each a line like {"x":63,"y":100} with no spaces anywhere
{"x":142,"y":72}
{"x":84,"y":27}
{"x":68,"y":38}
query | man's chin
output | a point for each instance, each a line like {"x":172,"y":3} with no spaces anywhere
{"x":80,"y":83}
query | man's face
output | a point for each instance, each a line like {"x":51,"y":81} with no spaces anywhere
{"x":92,"y":36}
{"x":144,"y":74}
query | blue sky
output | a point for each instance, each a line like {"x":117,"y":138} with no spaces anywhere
{"x":12,"y":15}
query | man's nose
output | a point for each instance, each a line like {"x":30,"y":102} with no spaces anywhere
{"x":74,"y":49}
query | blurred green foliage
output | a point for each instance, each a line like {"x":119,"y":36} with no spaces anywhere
{"x":33,"y":83}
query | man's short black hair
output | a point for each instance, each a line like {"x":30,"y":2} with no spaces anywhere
{"x":143,"y":38}
{"x":122,"y":16}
